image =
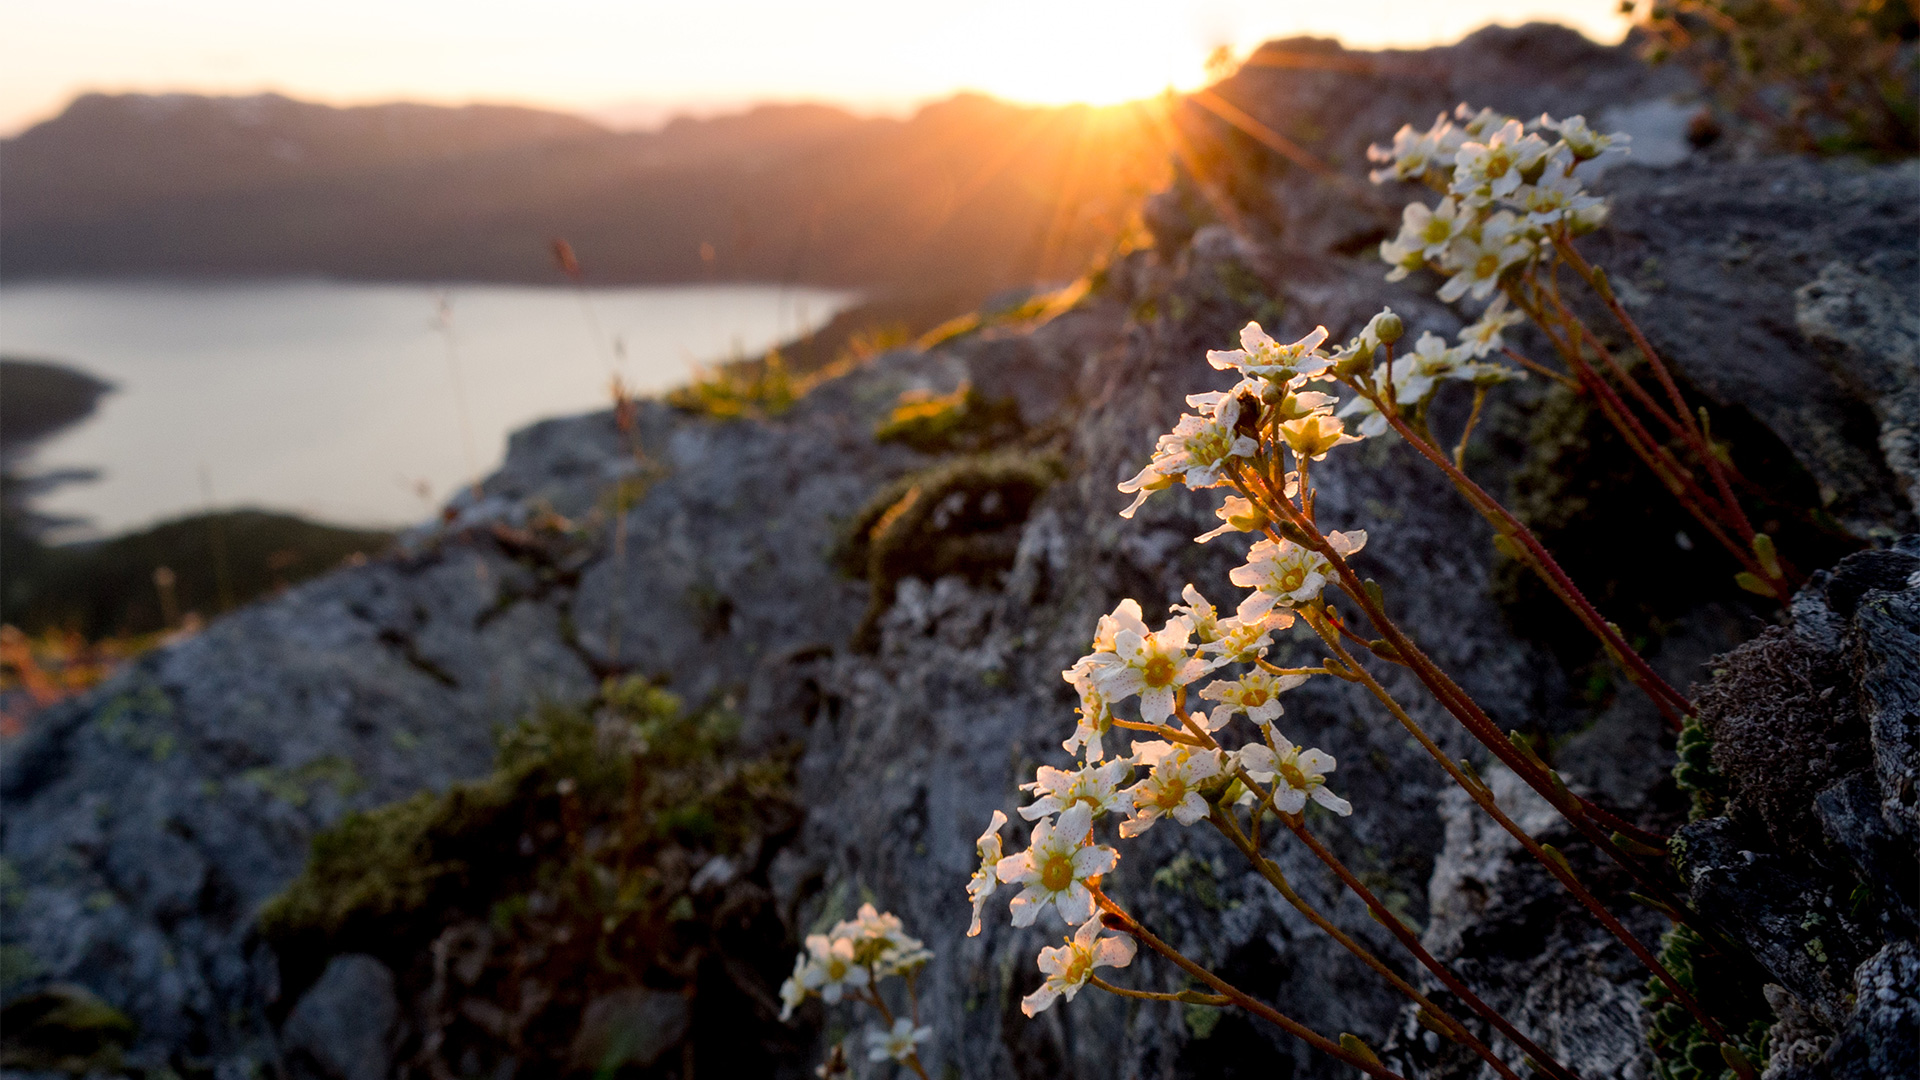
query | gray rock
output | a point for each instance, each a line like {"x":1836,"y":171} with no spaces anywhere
{"x":1868,"y":326}
{"x":342,"y":1027}
{"x":630,"y":1027}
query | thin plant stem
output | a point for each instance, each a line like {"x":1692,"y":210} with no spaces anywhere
{"x":1456,"y":1031}
{"x":1700,"y":447}
{"x":1189,"y":997}
{"x":1473,"y":418}
{"x":1126,"y":923}
{"x":1484,"y":798}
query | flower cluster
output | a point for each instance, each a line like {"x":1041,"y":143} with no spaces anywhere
{"x":1508,"y":196}
{"x":849,"y":962}
{"x":1140,"y":678}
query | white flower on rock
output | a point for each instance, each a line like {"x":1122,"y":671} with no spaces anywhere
{"x":1242,"y":641}
{"x":1260,"y":356}
{"x":1404,"y":256}
{"x":984,"y":880}
{"x":1583,"y":141}
{"x":1483,"y":336}
{"x":1172,"y":787}
{"x":1478,"y":262}
{"x":794,"y":990}
{"x":1493,"y":169}
{"x":1095,"y":717}
{"x":1096,"y":787}
{"x":831,"y":970}
{"x":1476,"y":125}
{"x":1313,"y":436}
{"x":1296,"y":774}
{"x":1282,"y":575}
{"x":1433,"y":229}
{"x":1240,"y":515}
{"x":1055,"y":868}
{"x":1151,"y":665}
{"x":1257,"y":693}
{"x":899,"y":1042}
{"x":1556,"y":195}
{"x":1414,"y":153}
{"x":1195,"y":451}
{"x":1068,"y":967}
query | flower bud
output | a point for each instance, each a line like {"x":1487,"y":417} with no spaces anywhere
{"x":1387,"y":327}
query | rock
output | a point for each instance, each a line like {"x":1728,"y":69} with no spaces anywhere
{"x":341,"y":1028}
{"x":630,"y":1027}
{"x":1867,"y":324}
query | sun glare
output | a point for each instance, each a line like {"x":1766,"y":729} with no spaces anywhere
{"x":1077,"y":56}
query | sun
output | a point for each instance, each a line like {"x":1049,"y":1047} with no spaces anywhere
{"x":1088,"y":59}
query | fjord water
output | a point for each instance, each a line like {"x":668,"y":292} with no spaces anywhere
{"x":343,"y":402}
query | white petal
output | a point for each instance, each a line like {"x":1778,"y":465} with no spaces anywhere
{"x":1114,"y":952}
{"x":1332,"y":802}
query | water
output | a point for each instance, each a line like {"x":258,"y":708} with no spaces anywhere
{"x":343,"y":402}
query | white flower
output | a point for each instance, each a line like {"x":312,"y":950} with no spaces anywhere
{"x":1493,"y":169}
{"x":1257,"y":693}
{"x":1556,"y":195}
{"x":1242,"y":641}
{"x":1476,"y":125}
{"x":1433,"y":229}
{"x":1582,"y":140}
{"x":1301,"y":774}
{"x":1415,"y":152}
{"x":1151,"y":665}
{"x":1484,"y":336}
{"x":1095,"y":715}
{"x":1373,"y":422}
{"x":831,"y":970}
{"x":1096,"y":787}
{"x":1198,"y":614}
{"x":794,"y":990}
{"x":1068,"y":967}
{"x":1478,"y":261}
{"x":880,"y":941}
{"x":1314,"y":435}
{"x":1282,"y":574}
{"x":1240,"y":515}
{"x":899,"y":1043}
{"x":1195,"y":451}
{"x":1055,"y":868}
{"x":984,"y":880}
{"x":1430,"y":360}
{"x":1171,"y":788}
{"x":1404,"y":256}
{"x":1262,"y":357}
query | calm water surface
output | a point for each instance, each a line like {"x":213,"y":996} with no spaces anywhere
{"x":345,"y":402}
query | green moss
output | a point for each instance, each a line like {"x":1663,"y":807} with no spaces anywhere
{"x":1695,"y":771}
{"x":63,"y":1028}
{"x":1727,"y":986}
{"x":964,"y":420}
{"x":961,"y":517}
{"x":740,"y":388}
{"x":567,"y":869}
{"x":295,"y":786}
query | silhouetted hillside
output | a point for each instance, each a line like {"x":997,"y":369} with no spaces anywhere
{"x":969,"y":193}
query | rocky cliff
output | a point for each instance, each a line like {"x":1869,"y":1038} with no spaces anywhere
{"x":148,"y":823}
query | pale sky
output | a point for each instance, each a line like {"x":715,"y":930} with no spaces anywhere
{"x":640,"y":60}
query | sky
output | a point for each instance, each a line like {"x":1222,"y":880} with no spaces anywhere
{"x":635,"y":62}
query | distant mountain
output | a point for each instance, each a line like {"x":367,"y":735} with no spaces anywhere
{"x":969,"y":193}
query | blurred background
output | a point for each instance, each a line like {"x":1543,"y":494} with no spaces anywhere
{"x":278,"y":280}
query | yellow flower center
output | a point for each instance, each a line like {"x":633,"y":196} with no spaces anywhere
{"x":1487,"y":265}
{"x":1056,"y":873}
{"x":1497,"y":165}
{"x":1173,"y":792}
{"x":1293,"y":579}
{"x":1078,"y":968}
{"x":1158,"y":670}
{"x":1293,"y":776}
{"x":1254,"y":696}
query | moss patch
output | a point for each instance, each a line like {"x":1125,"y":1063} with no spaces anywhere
{"x":962,"y":517}
{"x":963,"y":421}
{"x":508,"y":904}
